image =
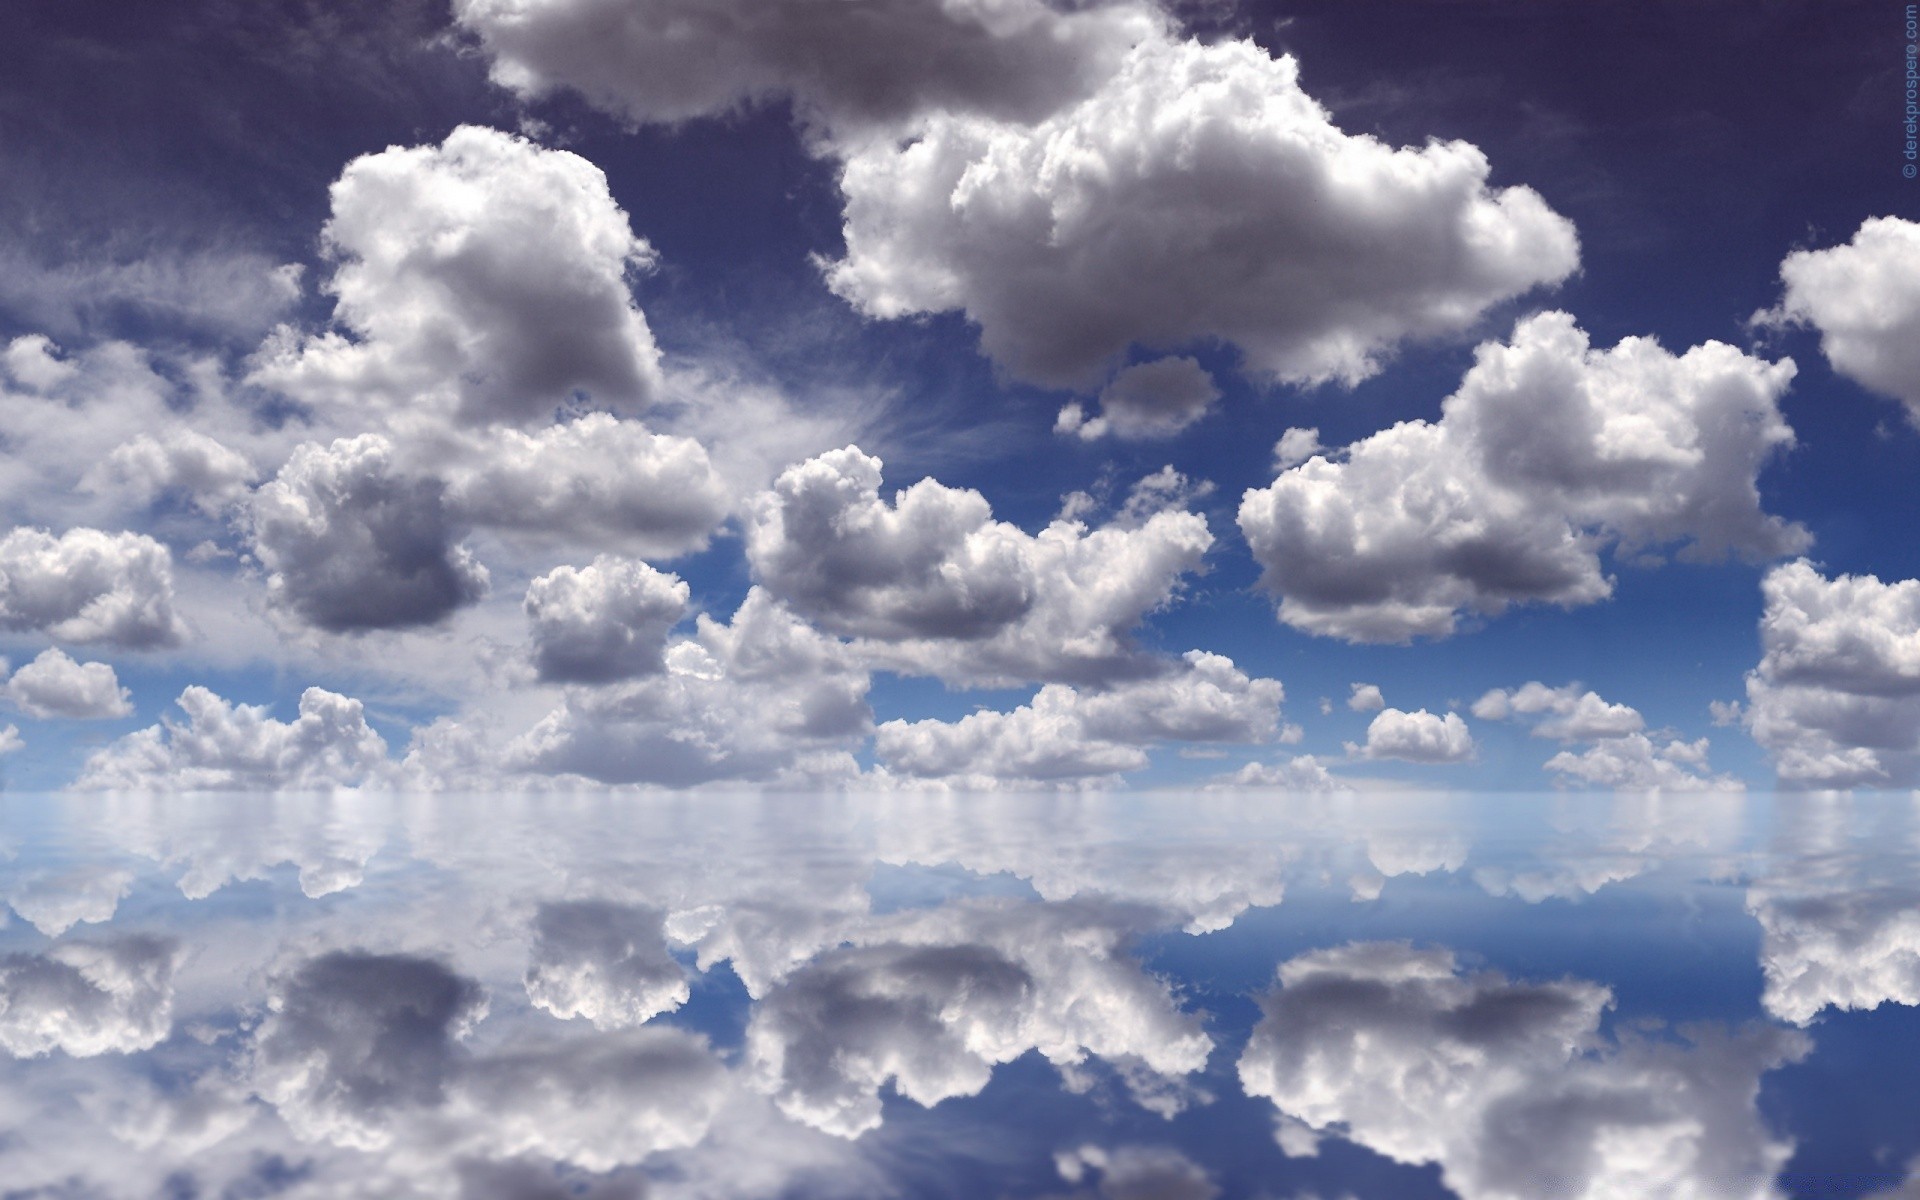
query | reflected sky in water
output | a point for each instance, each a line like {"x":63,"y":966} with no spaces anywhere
{"x":1119,"y":997}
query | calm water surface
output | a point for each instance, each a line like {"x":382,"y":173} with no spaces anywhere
{"x":1132,"y":998}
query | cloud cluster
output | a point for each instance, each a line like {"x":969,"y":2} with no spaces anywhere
{"x":1548,"y":451}
{"x":603,"y":622}
{"x":1508,"y":1085}
{"x":232,"y":747}
{"x":86,"y":586}
{"x":484,"y":279}
{"x":847,"y":67}
{"x":1864,"y":299}
{"x":1836,"y":695}
{"x":54,"y":685}
{"x":1621,"y":755}
{"x":1198,"y":194}
{"x":88,"y":998}
{"x":932,"y":584}
{"x":1067,"y":735}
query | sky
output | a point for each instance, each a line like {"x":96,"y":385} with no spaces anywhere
{"x":880,"y":394}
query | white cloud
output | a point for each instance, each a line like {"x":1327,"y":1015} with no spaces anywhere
{"x":934,"y":585}
{"x":1836,"y":696}
{"x":352,"y":542}
{"x":1147,"y":400}
{"x":1579,"y":715}
{"x":1864,"y":298}
{"x":1066,"y":734}
{"x":932,"y":1001}
{"x":1836,"y":947}
{"x":603,"y":961}
{"x":1198,"y":194}
{"x":597,"y":481}
{"x":181,"y":461}
{"x":87,"y":998}
{"x":88,"y":586}
{"x":603,"y":622}
{"x":483,"y":279}
{"x":1301,"y":773}
{"x":1507,"y":1085}
{"x":55,"y":901}
{"x":54,"y":685}
{"x":847,"y":67}
{"x":1418,"y":736}
{"x":1621,"y":755}
{"x":1548,"y":451}
{"x":764,"y":697}
{"x":1366,"y":697}
{"x":228,"y":747}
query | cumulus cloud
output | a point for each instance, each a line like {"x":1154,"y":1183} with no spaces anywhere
{"x":1837,"y":947}
{"x":1548,"y":452}
{"x":484,"y":279}
{"x":1418,"y":736}
{"x":603,"y":961}
{"x":1836,"y":695}
{"x":1621,"y":755}
{"x":760,"y":698}
{"x":847,"y":68}
{"x":1066,"y":734}
{"x":1864,"y":299}
{"x":87,"y":998}
{"x":1507,"y":1085}
{"x":1147,"y":400}
{"x":596,"y":480}
{"x":932,"y":584}
{"x":352,"y":542}
{"x":1578,"y":715}
{"x":603,"y":622}
{"x":1197,"y":194}
{"x":931,"y":1002}
{"x":1366,"y":697}
{"x":230,"y":747}
{"x":1301,"y":773}
{"x":88,"y":586}
{"x":54,"y":685}
{"x":55,"y":901}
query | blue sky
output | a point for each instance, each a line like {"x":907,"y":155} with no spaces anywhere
{"x":492,"y":369}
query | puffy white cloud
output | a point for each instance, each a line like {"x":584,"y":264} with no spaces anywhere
{"x":1366,"y":697}
{"x":1579,"y":715}
{"x":88,"y":586}
{"x":1301,"y":773}
{"x":596,"y":480}
{"x":227,"y":747}
{"x":351,"y":542}
{"x":1844,"y":947}
{"x":1864,"y":298}
{"x":1836,"y":695}
{"x":603,"y":961}
{"x":182,"y":461}
{"x":933,"y":584}
{"x":1147,"y":400}
{"x":1507,"y":1085}
{"x":484,"y":279}
{"x":849,"y":67}
{"x":1066,"y":734}
{"x":352,"y":1038}
{"x":54,"y":685}
{"x":55,"y":901}
{"x":1547,"y":452}
{"x":1418,"y":736}
{"x":1621,"y":756}
{"x":1198,"y":194}
{"x":603,"y":622}
{"x":761,"y":698}
{"x":87,"y":998}
{"x":932,"y":1001}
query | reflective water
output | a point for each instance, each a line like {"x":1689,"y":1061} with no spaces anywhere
{"x":1139,"y":997}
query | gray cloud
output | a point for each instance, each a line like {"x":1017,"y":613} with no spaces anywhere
{"x":88,"y":998}
{"x":603,"y":961}
{"x":603,"y":622}
{"x":88,"y":586}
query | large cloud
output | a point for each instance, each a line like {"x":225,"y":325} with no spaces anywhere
{"x":1198,"y":194}
{"x":1418,"y":736}
{"x":1836,"y":696}
{"x":352,"y":542}
{"x":760,"y":698}
{"x":1864,"y":298}
{"x":54,"y":685}
{"x":1837,"y":946}
{"x":933,"y":1001}
{"x":602,"y":622}
{"x":1508,"y":1086}
{"x":1548,"y":451}
{"x":88,"y":586}
{"x":484,"y":278}
{"x":933,"y":584}
{"x":603,"y":961}
{"x":1068,"y":735}
{"x":87,"y":998}
{"x":850,"y":64}
{"x":228,"y":747}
